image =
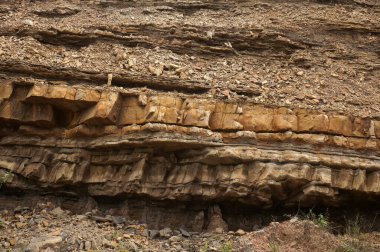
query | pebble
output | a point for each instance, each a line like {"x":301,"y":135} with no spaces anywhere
{"x":166,"y":232}
{"x":219,"y":230}
{"x":153,"y":233}
{"x":240,"y":232}
{"x":109,"y":244}
{"x":36,"y":244}
{"x":13,"y":242}
{"x":117,"y":220}
{"x":45,"y":223}
{"x":259,"y":231}
{"x":28,"y":22}
{"x":300,"y":73}
{"x":132,"y":246}
{"x":58,"y":212}
{"x":184,"y":233}
{"x":81,"y":217}
{"x":20,"y":225}
{"x":175,"y":239}
{"x":31,"y":222}
{"x":87,"y":245}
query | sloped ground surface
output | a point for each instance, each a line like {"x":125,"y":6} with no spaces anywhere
{"x":298,"y":53}
{"x":46,"y":227}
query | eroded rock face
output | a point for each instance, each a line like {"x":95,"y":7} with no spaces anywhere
{"x":111,"y":142}
{"x":190,"y":114}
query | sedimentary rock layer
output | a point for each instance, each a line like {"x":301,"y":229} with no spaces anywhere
{"x":109,"y":141}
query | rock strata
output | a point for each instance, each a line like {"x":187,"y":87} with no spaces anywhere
{"x":203,"y":110}
{"x":104,"y":142}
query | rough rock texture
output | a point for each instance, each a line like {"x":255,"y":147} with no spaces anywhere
{"x":110,"y":143}
{"x":228,"y":101}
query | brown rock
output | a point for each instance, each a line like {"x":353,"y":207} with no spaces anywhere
{"x":104,"y":112}
{"x":313,"y":123}
{"x":340,"y":125}
{"x":257,"y":118}
{"x":377,"y":128}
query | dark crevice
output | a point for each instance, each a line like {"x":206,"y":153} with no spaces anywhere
{"x":177,"y":214}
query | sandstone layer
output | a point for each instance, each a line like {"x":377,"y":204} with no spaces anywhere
{"x":104,"y":142}
{"x":181,"y":101}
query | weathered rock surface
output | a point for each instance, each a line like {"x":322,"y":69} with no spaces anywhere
{"x":266,"y":105}
{"x":104,"y":142}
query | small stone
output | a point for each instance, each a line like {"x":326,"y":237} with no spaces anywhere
{"x":18,"y":209}
{"x":184,"y":233}
{"x":178,"y":247}
{"x":31,"y":222}
{"x":13,"y":242}
{"x":166,"y":232}
{"x":21,"y":218}
{"x":64,"y":235}
{"x":153,"y":233}
{"x":156,"y":70}
{"x":109,"y":79}
{"x":109,"y":244}
{"x":37,"y":220}
{"x":20,"y":225}
{"x":58,"y":212}
{"x":6,"y":245}
{"x":37,"y":244}
{"x":44,"y":223}
{"x":132,"y":246}
{"x":240,"y":232}
{"x":174,"y":239}
{"x":102,"y":219}
{"x":87,"y":245}
{"x":132,"y":62}
{"x":28,"y":22}
{"x":176,"y":232}
{"x":261,"y":231}
{"x":81,"y":245}
{"x":275,"y":223}
{"x":142,"y":100}
{"x":81,"y":217}
{"x":118,"y":220}
{"x":56,"y":232}
{"x":219,"y":230}
{"x":300,"y":73}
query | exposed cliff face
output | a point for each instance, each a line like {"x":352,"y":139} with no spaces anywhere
{"x":110,"y":143}
{"x":206,"y":128}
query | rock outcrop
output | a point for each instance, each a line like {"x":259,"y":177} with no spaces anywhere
{"x":213,"y":102}
{"x":105,"y":142}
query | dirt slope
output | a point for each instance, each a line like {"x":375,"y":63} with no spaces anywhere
{"x":296,"y":53}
